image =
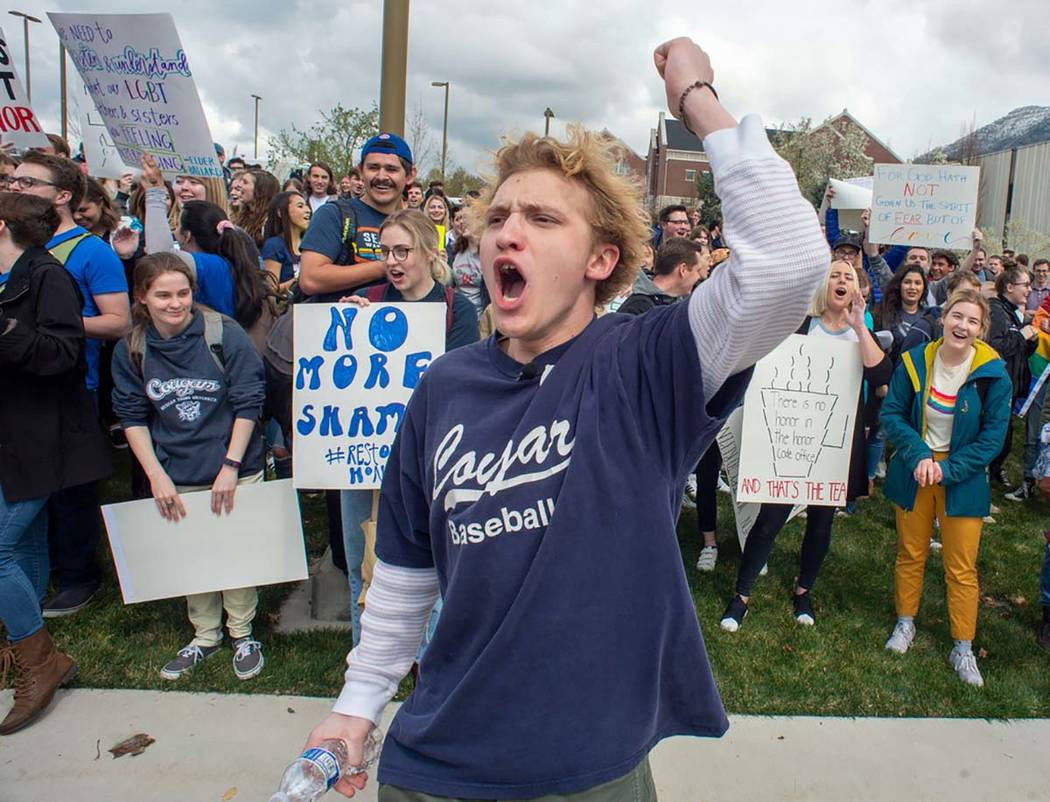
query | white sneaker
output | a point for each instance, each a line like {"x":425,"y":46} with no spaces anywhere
{"x":708,"y":558}
{"x":765,"y":570}
{"x":723,"y":487}
{"x":903,"y":635}
{"x":965,"y":665}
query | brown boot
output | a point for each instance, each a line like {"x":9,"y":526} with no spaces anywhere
{"x":39,"y":670}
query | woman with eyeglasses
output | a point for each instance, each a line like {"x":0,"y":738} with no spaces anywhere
{"x":415,"y":271}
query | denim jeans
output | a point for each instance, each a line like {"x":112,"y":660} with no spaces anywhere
{"x":24,"y":565}
{"x":1033,"y":427}
{"x":1044,"y":579}
{"x":874,"y":446}
{"x":356,"y":507}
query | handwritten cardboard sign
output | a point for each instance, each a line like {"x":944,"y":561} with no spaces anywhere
{"x":18,"y":123}
{"x":728,"y":440}
{"x":259,"y":543}
{"x":928,"y":205}
{"x":136,"y":71}
{"x":354,"y":369}
{"x":799,"y":414}
{"x":103,"y":159}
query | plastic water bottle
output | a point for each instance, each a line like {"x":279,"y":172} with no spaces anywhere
{"x":314,"y":772}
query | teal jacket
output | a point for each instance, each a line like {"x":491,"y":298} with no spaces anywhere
{"x":982,"y":411}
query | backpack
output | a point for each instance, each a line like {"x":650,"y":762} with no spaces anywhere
{"x":348,"y":232}
{"x":213,"y":326}
{"x":64,"y":250}
{"x":376,"y":292}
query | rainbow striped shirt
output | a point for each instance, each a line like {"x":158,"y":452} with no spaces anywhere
{"x":940,"y":404}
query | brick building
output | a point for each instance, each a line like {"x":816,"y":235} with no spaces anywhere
{"x":676,"y":157}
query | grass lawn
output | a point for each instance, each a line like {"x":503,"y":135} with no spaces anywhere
{"x":771,"y":665}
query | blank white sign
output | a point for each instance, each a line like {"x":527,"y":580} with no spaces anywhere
{"x":259,"y":543}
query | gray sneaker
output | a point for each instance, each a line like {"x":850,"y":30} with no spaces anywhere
{"x":965,"y":665}
{"x":247,"y":658}
{"x":187,"y":659}
{"x":903,"y":635}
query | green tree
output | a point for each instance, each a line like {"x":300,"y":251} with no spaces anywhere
{"x":334,"y":139}
{"x":817,"y":154}
{"x":710,"y":205}
{"x":457,"y":181}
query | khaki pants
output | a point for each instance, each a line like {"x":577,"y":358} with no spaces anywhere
{"x":205,"y":609}
{"x":635,"y":786}
{"x":960,"y":539}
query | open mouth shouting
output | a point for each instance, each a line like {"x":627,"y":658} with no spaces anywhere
{"x":510,"y":283}
{"x":396,"y":275}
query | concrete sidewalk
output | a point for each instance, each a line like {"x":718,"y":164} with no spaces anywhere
{"x":211,"y":748}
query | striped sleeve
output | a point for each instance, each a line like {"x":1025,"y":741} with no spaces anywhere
{"x":778,"y":256}
{"x":399,"y":604}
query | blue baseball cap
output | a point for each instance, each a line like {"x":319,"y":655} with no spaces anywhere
{"x":387,"y":143}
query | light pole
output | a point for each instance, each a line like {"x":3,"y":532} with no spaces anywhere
{"x":257,"y":99}
{"x":548,"y":116}
{"x":444,"y":129}
{"x":26,"y":19}
{"x":394,"y":67}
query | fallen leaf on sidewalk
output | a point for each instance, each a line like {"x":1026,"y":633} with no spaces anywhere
{"x":134,"y":746}
{"x":290,"y":710}
{"x":230,"y":794}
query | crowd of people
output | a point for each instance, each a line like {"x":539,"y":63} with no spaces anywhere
{"x":141,"y":308}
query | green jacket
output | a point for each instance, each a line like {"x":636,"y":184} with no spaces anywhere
{"x":982,"y":411}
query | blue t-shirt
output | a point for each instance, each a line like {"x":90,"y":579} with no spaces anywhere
{"x":214,"y":283}
{"x":568,"y":644}
{"x":275,"y":249}
{"x":98,"y":271}
{"x":325,"y":235}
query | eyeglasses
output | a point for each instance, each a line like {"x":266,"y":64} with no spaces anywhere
{"x":28,"y":182}
{"x":681,"y":221}
{"x":400,"y":252}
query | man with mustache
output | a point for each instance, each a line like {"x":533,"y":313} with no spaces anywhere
{"x":331,"y":267}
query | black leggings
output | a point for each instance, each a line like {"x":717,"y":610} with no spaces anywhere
{"x":759,"y":545}
{"x":707,"y":489}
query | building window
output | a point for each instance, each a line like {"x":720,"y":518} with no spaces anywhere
{"x":690,"y":175}
{"x":621,"y":168}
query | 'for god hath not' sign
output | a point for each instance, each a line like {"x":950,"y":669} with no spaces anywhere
{"x":799,"y":414}
{"x":928,"y":205}
{"x":354,"y":370}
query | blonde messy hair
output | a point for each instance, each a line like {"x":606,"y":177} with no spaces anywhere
{"x":617,"y":215}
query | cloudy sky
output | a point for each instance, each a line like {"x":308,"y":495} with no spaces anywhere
{"x":913,"y":73}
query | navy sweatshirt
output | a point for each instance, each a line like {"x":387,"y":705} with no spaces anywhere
{"x":564,"y":610}
{"x":188,"y":403}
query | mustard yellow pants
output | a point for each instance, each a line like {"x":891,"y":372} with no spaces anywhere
{"x":960,"y":538}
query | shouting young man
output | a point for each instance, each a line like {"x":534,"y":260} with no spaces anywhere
{"x":536,"y":479}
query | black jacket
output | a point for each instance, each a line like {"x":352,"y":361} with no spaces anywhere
{"x":49,"y":435}
{"x":1004,"y":335}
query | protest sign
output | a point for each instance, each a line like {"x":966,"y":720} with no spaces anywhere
{"x":354,"y":369}
{"x":101,"y":154}
{"x":728,"y":440}
{"x":259,"y":543}
{"x":928,"y":205}
{"x":799,"y":414}
{"x":18,"y":123}
{"x":136,"y":71}
{"x":850,"y":196}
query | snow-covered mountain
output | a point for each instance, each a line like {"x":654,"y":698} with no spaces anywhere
{"x":1027,"y":125}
